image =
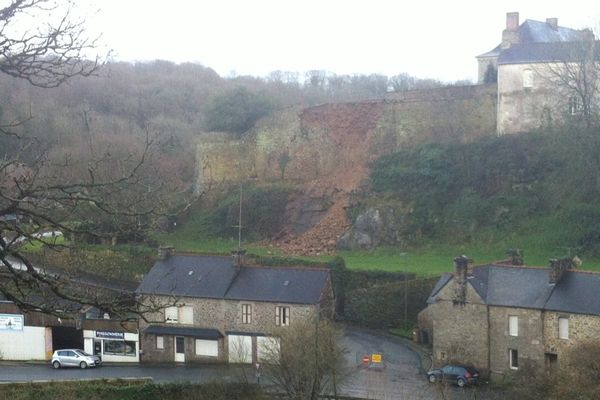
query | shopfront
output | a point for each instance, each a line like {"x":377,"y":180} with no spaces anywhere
{"x":112,"y":346}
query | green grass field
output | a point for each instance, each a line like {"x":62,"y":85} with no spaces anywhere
{"x":430,"y":260}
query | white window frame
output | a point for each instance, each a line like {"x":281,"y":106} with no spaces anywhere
{"x":282,"y":316}
{"x":527,"y":79}
{"x":563,"y":328}
{"x":171,"y":315}
{"x":574,"y":105}
{"x":513,"y":325}
{"x":246,"y":313}
{"x":160,"y":342}
{"x":513,"y":359}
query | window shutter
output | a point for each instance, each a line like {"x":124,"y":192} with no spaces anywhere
{"x":513,"y":325}
{"x":563,"y":328}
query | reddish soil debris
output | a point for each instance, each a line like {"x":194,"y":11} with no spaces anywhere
{"x":351,"y":126}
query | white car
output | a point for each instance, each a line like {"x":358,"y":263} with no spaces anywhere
{"x":74,"y":358}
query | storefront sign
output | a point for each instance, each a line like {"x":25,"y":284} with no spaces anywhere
{"x":11,"y":322}
{"x":110,"y":335}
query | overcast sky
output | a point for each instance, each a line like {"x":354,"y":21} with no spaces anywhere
{"x":427,"y":39}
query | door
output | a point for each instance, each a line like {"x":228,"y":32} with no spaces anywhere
{"x":97,"y":347}
{"x":179,"y":349}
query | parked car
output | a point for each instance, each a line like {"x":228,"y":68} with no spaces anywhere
{"x":459,"y":374}
{"x":74,"y":358}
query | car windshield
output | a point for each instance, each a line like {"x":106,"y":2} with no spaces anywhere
{"x":83,"y":353}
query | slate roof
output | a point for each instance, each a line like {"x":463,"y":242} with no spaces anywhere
{"x":533,"y":32}
{"x":525,"y":287}
{"x":545,"y":52}
{"x":215,"y":277}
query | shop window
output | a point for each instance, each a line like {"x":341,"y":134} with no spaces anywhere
{"x":246,"y":313}
{"x":282,"y":316}
{"x":513,"y":359}
{"x":119,"y":348}
{"x":160,"y":342}
{"x":563,"y":328}
{"x":513,"y":325}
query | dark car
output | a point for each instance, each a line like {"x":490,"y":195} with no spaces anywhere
{"x":460,"y":374}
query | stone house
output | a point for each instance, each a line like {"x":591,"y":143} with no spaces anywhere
{"x":507,"y":319}
{"x":531,"y":64}
{"x":214,"y":308}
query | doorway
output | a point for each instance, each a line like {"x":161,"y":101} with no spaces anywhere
{"x":179,"y":349}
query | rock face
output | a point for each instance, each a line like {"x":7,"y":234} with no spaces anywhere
{"x":373,"y":227}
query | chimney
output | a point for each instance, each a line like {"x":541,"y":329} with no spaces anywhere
{"x":558,"y":268}
{"x":553,"y":22}
{"x":238,"y":258}
{"x":165,"y":252}
{"x":461,"y":266}
{"x":512,"y":21}
{"x":515,"y":256}
{"x":510,"y":35}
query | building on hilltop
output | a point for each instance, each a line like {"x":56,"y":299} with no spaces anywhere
{"x":537,"y":66}
{"x":506,"y":319}
{"x":218,"y":309}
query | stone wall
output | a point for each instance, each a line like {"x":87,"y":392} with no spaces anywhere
{"x":529,"y":341}
{"x":460,"y":331}
{"x":223,"y":315}
{"x":544,"y":105}
{"x":319,"y":140}
{"x":582,"y":329}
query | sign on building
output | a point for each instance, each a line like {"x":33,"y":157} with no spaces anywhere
{"x":110,"y":335}
{"x":11,"y":322}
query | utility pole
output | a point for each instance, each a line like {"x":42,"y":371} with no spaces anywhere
{"x":405,"y":260}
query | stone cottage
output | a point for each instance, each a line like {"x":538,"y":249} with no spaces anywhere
{"x":531,"y":65}
{"x":507,"y":319}
{"x":219,"y":309}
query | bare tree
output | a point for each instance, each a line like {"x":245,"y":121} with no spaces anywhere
{"x":105,"y":190}
{"x":576,"y":77}
{"x":306,"y":361}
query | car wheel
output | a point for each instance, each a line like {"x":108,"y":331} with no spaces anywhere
{"x":83,"y":365}
{"x":56,"y":365}
{"x":432,"y":378}
{"x":461,"y":382}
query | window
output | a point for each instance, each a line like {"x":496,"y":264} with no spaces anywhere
{"x":513,"y":325}
{"x":171,"y":315}
{"x":563,"y":328}
{"x":282,"y":316}
{"x":207,"y":348}
{"x":160,"y":342}
{"x":574,"y":105}
{"x":119,"y":348}
{"x":246,"y":313}
{"x":513,"y":359}
{"x":528,"y":78}
{"x":186,"y":315}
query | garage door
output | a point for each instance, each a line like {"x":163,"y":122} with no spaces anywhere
{"x":207,"y":348}
{"x":240,"y":349}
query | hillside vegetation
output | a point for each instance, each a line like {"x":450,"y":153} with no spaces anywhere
{"x":537,"y":190}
